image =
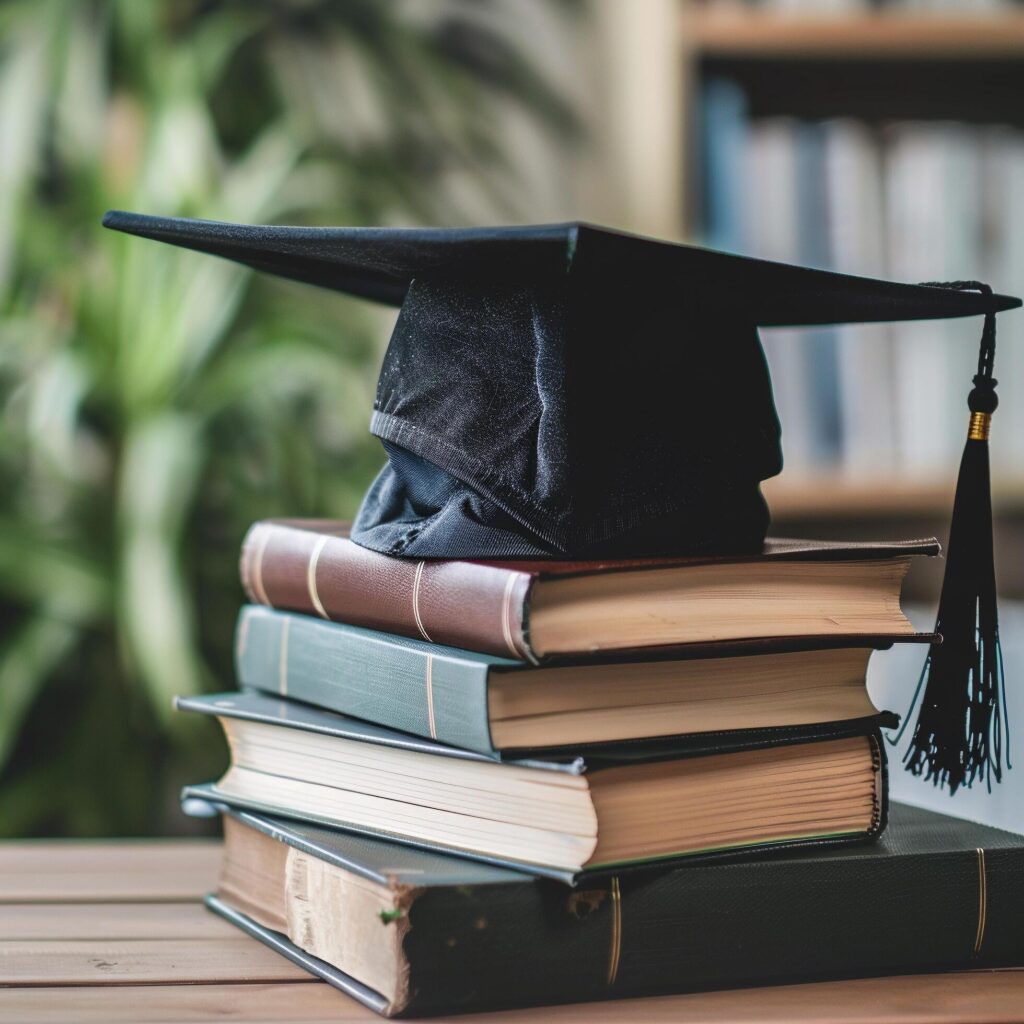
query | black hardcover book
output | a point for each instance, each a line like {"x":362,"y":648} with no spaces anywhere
{"x":409,"y":932}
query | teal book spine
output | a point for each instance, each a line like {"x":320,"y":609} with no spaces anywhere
{"x":415,"y":687}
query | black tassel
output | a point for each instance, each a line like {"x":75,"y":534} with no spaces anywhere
{"x":962,"y":728}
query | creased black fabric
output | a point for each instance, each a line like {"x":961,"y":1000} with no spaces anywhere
{"x":569,"y":418}
{"x":416,"y":509}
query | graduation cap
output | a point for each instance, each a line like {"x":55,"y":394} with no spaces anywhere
{"x":566,"y":391}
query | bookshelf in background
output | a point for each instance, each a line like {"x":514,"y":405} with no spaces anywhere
{"x":883,"y":142}
{"x":831,"y":506}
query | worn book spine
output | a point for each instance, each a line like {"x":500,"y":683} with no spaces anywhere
{"x":311,"y":566}
{"x":404,"y":684}
{"x":712,"y":925}
{"x":459,"y":604}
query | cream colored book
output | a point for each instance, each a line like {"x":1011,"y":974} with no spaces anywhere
{"x":556,"y":817}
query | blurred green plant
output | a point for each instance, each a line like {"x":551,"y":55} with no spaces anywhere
{"x":154,"y":401}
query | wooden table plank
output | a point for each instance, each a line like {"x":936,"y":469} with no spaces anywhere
{"x":114,"y":932}
{"x":111,"y":921}
{"x":143,"y":962}
{"x":181,"y":1004}
{"x":993,"y":997}
{"x":92,"y":872}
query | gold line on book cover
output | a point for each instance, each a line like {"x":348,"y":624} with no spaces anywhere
{"x":416,"y":580}
{"x":506,"y":610}
{"x":263,"y":538}
{"x":282,"y":658}
{"x":241,"y":638}
{"x":616,"y":943}
{"x":311,"y":577}
{"x":979,"y":936}
{"x":430,"y":696}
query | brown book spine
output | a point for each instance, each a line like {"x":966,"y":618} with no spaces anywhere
{"x":461,"y":604}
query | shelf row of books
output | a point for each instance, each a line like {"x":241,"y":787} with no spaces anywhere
{"x":925,"y":202}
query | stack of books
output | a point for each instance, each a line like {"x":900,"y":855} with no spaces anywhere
{"x":464,"y":785}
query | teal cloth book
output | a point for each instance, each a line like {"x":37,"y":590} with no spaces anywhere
{"x":489,"y":704}
{"x":564,"y":817}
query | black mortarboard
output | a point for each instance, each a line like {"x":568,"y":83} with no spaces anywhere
{"x":565,"y":391}
{"x":568,"y":391}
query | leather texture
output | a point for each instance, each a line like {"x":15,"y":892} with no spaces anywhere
{"x":910,"y":902}
{"x":564,"y":390}
{"x":460,"y":604}
{"x":473,"y":605}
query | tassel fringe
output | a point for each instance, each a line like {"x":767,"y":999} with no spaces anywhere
{"x":962,"y":731}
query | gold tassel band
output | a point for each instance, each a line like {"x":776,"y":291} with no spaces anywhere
{"x":979,"y":427}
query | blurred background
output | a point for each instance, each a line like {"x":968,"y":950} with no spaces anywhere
{"x":154,"y":402}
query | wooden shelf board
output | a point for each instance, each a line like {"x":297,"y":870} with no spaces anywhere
{"x":830,"y":497}
{"x":880,"y":35}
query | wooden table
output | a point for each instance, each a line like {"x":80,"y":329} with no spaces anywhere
{"x":108,"y":932}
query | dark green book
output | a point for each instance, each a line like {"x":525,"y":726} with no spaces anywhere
{"x":492,"y":705}
{"x":408,"y":932}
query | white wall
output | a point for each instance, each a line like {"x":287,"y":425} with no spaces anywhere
{"x":892,"y":676}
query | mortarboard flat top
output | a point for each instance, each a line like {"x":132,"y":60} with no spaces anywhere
{"x":380,"y":263}
{"x":565,"y":390}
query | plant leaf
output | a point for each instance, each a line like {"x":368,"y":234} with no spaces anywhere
{"x":28,"y":658}
{"x":162,"y":463}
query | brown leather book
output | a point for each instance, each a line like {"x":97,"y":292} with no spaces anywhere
{"x":538,"y":610}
